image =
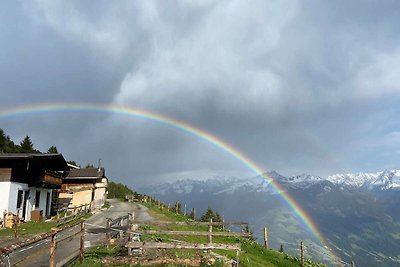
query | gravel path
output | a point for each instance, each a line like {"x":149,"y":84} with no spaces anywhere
{"x":37,"y":254}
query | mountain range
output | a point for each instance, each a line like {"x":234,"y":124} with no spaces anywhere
{"x":357,"y":214}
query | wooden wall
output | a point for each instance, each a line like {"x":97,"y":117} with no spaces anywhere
{"x":5,"y":174}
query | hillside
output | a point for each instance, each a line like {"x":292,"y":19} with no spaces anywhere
{"x":251,"y":255}
{"x":117,"y":190}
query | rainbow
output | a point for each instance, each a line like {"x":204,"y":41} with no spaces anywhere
{"x":299,"y":212}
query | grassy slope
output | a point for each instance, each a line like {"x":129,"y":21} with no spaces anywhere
{"x":29,"y":229}
{"x":252,"y":253}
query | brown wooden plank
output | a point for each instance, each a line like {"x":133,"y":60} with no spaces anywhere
{"x":162,"y":245}
{"x":191,"y":223}
{"x":195,"y":233}
{"x":5,"y":174}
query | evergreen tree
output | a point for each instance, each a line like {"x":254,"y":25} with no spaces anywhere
{"x":6,"y":145}
{"x":52,"y":150}
{"x":210,"y":214}
{"x":26,"y":146}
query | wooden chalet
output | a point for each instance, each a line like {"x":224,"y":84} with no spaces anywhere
{"x":86,"y":186}
{"x":28,"y":183}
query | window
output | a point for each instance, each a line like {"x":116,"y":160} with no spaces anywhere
{"x":19,"y":199}
{"x":37,"y":199}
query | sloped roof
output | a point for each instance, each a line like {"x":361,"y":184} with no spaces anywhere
{"x":45,"y":161}
{"x":86,"y":173}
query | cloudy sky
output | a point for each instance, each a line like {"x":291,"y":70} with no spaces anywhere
{"x":298,"y":86}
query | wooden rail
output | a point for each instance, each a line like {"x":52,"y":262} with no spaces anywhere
{"x":194,"y":233}
{"x":193,"y":223}
{"x":163,"y":245}
{"x":75,"y":212}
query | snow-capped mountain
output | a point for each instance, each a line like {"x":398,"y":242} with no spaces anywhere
{"x":385,"y":180}
{"x":388,"y":179}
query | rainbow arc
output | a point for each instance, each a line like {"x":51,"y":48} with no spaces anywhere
{"x":297,"y":209}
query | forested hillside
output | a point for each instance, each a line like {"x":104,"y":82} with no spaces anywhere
{"x":117,"y":190}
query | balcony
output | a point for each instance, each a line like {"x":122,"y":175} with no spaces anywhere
{"x":49,"y":179}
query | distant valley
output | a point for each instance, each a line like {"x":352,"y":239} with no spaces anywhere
{"x":357,"y":213}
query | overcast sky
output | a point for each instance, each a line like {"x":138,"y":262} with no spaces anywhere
{"x":298,"y":86}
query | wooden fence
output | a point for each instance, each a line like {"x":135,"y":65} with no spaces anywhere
{"x":69,"y":214}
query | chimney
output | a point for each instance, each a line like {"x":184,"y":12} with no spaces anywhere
{"x":99,"y":168}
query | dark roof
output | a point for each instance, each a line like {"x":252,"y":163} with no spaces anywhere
{"x":29,"y":156}
{"x":45,"y":161}
{"x":87,"y":173}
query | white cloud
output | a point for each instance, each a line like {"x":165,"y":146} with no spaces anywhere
{"x":106,"y":34}
{"x":380,"y":77}
{"x":215,"y":61}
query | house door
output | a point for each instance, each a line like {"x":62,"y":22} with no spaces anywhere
{"x":26,"y":197}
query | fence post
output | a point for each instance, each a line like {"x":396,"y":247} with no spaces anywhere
{"x":237,"y":258}
{"x":301,"y":254}
{"x":108,"y":235}
{"x":184,"y":211}
{"x":15,"y":228}
{"x":265,"y":237}
{"x":82,"y":244}
{"x":194,"y":214}
{"x":352,"y":264}
{"x":223,"y":221}
{"x":52,"y":262}
{"x":209,"y":236}
{"x":130,"y":228}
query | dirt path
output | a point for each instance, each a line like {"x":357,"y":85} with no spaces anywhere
{"x":37,"y":254}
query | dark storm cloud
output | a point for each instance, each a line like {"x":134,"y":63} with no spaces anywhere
{"x":299,"y":86}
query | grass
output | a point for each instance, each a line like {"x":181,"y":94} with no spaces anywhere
{"x":252,"y":254}
{"x":29,"y":229}
{"x":106,"y":205}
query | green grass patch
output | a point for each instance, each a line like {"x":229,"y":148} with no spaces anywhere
{"x":93,"y":256}
{"x":252,"y":254}
{"x":29,"y":229}
{"x":106,"y":205}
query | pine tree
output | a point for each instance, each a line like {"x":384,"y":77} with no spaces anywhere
{"x":6,"y":145}
{"x":26,"y":146}
{"x":210,"y":214}
{"x":52,"y":150}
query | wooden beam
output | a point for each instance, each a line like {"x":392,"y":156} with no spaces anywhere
{"x":162,"y":245}
{"x":191,"y":223}
{"x":195,"y":233}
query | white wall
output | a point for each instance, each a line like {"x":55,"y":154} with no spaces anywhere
{"x":13,"y":195}
{"x":5,"y":197}
{"x":9,"y":196}
{"x":42,"y":200}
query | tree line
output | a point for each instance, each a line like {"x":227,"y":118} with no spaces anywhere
{"x":25,"y":146}
{"x":117,"y":190}
{"x":7,"y":145}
